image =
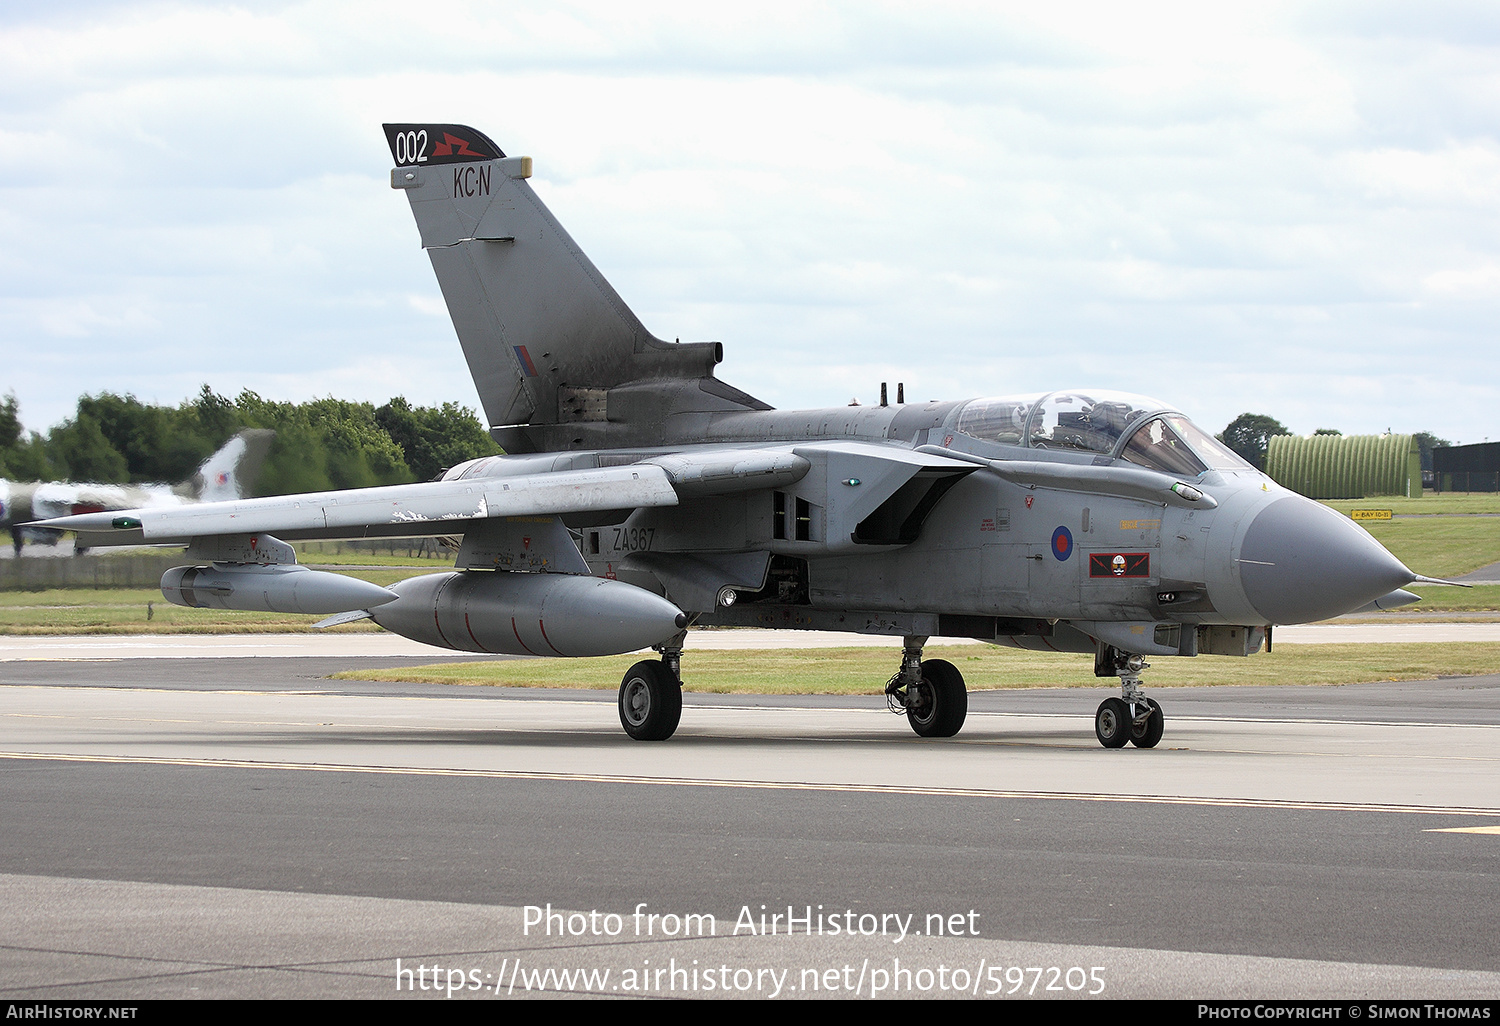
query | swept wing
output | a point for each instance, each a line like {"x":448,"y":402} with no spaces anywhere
{"x":433,"y":508}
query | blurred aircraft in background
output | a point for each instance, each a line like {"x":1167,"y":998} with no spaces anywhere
{"x":229,"y":473}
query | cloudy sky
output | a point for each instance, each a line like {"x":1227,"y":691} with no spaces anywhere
{"x":1291,"y":209}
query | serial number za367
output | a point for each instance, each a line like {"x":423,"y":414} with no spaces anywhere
{"x":633,"y":539}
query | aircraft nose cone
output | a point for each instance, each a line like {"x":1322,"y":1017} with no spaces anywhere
{"x":1300,"y":561}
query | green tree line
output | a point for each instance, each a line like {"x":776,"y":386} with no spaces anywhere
{"x":322,"y":444}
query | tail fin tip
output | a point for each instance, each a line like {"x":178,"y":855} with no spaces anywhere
{"x":231,"y":472}
{"x":417,"y":144}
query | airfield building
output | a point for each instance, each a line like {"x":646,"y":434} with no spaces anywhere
{"x":1467,"y":468}
{"x":1346,"y":466}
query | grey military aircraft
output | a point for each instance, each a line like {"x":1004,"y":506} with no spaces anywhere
{"x":229,"y":473}
{"x":641,"y":495}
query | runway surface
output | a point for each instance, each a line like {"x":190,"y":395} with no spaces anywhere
{"x":244,"y":827}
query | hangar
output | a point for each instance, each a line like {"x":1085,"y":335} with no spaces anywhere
{"x":1346,"y":466}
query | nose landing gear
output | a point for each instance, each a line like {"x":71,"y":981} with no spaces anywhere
{"x":1133,"y":718}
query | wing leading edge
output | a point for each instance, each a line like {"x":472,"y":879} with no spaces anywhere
{"x":432,"y":508}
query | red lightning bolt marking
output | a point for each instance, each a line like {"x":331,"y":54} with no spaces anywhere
{"x":452,"y":145}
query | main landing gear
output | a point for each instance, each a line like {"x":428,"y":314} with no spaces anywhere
{"x":930,"y":692}
{"x":651,"y":694}
{"x":1133,"y":719}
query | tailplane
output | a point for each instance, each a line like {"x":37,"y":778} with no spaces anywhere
{"x":545,"y":336}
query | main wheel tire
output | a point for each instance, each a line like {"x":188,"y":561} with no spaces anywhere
{"x":1146,"y":735}
{"x":1112,"y":723}
{"x":650,"y":701}
{"x":941,"y":701}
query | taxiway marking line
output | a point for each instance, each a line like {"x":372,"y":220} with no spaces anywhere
{"x":764,"y":785}
{"x":1464,"y":830}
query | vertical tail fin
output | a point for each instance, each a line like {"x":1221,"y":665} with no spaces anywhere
{"x":543,"y":333}
{"x":231,"y":472}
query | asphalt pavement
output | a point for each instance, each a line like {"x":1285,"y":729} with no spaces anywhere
{"x":243,"y":826}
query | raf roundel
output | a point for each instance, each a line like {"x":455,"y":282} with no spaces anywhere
{"x":1062,"y":543}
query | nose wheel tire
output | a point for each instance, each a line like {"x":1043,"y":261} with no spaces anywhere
{"x":650,"y":701}
{"x":1112,"y":723}
{"x":1147,"y":734}
{"x":940,"y":702}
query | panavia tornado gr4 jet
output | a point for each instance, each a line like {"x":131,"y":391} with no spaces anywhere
{"x":642,"y":496}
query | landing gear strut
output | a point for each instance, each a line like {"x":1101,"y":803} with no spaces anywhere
{"x":930,"y":692}
{"x":1133,"y":718}
{"x":651,"y":694}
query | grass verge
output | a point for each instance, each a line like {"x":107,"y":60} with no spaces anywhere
{"x":1440,"y":546}
{"x":1429,"y":503}
{"x":1439,"y":598}
{"x":864,"y":671}
{"x":142,"y":611}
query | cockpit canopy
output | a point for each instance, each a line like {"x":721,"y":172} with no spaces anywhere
{"x":1129,"y":427}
